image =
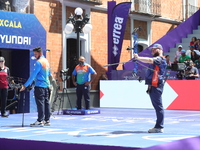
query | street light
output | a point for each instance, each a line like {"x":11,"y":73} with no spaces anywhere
{"x":79,"y":24}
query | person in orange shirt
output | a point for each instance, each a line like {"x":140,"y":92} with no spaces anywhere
{"x":82,"y":75}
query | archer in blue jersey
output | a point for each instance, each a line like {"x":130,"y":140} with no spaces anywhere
{"x":40,"y":75}
{"x":155,"y":82}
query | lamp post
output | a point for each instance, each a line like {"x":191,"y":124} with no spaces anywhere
{"x":79,"y":24}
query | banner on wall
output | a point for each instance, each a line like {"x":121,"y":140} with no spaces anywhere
{"x":116,"y":28}
{"x":21,"y":31}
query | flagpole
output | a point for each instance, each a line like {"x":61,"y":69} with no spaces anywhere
{"x":111,"y":5}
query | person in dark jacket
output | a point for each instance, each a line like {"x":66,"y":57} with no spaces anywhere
{"x":4,"y":74}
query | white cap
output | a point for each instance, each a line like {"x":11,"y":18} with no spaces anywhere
{"x":180,"y":46}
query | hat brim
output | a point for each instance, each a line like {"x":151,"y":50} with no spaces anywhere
{"x":154,"y":48}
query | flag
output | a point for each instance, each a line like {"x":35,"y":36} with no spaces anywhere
{"x":116,"y":29}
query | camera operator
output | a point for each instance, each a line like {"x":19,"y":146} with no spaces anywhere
{"x":191,"y":72}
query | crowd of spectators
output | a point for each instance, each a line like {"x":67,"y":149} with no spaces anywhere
{"x":193,"y":53}
{"x":190,"y":57}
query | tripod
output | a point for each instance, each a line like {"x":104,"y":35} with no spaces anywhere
{"x":64,"y":78}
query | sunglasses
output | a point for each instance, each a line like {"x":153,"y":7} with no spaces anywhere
{"x":81,"y":59}
{"x":1,"y":61}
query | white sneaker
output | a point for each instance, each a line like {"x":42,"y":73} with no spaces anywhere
{"x":37,"y":124}
{"x":47,"y":123}
{"x":156,"y":130}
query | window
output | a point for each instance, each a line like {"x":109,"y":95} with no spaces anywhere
{"x":191,"y":7}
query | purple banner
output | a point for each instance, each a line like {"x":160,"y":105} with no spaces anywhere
{"x":116,"y":28}
{"x":111,"y":5}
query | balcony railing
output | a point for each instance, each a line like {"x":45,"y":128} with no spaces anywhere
{"x":5,"y":6}
{"x":152,"y":7}
{"x":16,"y":5}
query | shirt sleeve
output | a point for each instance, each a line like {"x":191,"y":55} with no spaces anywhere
{"x":197,"y":52}
{"x":188,"y":57}
{"x":74,"y":72}
{"x":188,"y":52}
{"x":157,"y":60}
{"x":36,"y":69}
{"x":8,"y":71}
{"x":196,"y":70}
{"x":91,"y":70}
{"x":49,"y":73}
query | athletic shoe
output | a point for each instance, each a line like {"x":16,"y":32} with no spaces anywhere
{"x":47,"y":123}
{"x":156,"y":130}
{"x":37,"y":124}
{"x":4,"y":116}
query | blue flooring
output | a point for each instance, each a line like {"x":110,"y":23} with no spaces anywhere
{"x":113,"y":127}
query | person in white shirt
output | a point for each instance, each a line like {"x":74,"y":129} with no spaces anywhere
{"x":192,"y":53}
{"x":178,"y":54}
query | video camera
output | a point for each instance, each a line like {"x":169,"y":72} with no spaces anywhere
{"x":178,"y":66}
{"x":64,"y":71}
{"x":182,"y":68}
{"x":63,"y":74}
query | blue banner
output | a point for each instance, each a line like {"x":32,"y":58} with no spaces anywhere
{"x":21,"y":31}
{"x":118,"y":23}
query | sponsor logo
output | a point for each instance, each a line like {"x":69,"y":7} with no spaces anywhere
{"x":73,"y":112}
{"x":115,"y":49}
{"x":117,"y":27}
{"x":130,"y":77}
{"x":92,"y":111}
{"x":12,"y":39}
{"x":11,"y":24}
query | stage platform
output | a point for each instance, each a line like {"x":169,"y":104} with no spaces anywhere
{"x":113,"y":128}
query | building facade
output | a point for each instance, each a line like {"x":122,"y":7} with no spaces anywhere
{"x":154,"y":17}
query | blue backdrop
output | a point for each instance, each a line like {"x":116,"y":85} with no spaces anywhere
{"x":19,"y":34}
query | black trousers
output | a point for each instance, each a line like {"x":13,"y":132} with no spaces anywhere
{"x":42,"y":102}
{"x":3,"y":97}
{"x":83,"y":90}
